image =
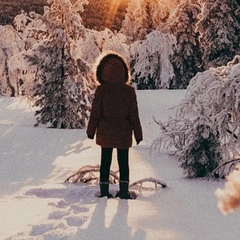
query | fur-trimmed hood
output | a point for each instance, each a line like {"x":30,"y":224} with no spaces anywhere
{"x":112,"y":68}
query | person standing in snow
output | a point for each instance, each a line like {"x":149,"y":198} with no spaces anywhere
{"x":114,"y":117}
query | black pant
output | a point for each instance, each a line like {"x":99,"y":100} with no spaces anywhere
{"x":106,"y":160}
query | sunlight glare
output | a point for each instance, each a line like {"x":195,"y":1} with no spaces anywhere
{"x":113,"y":11}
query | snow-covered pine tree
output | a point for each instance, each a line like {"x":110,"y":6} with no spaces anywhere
{"x":26,"y":24}
{"x":145,"y":16}
{"x":20,"y":72}
{"x":187,"y":57}
{"x":151,"y":64}
{"x":61,"y":90}
{"x":213,"y":97}
{"x":102,"y":14}
{"x":219,"y":28}
{"x":201,"y":156}
{"x":10,"y":45}
{"x":96,"y":42}
{"x":20,"y":21}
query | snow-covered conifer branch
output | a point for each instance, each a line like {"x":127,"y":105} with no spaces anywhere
{"x":210,"y":115}
{"x":224,"y":169}
{"x":173,"y":134}
{"x":151,"y":59}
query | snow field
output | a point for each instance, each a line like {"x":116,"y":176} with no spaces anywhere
{"x":36,"y":204}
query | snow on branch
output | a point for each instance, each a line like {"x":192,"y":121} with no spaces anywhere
{"x":223,"y":169}
{"x":152,"y":65}
{"x":206,"y":126}
{"x":173,"y":134}
{"x":87,"y":173}
{"x":139,"y":183}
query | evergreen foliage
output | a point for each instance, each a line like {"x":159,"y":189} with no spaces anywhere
{"x":10,"y":45}
{"x":102,"y":14}
{"x":95,"y":42}
{"x":212,"y":103}
{"x":61,"y":91}
{"x":187,"y":59}
{"x":151,"y":64}
{"x":10,"y":8}
{"x":143,"y":17}
{"x":168,"y":44}
{"x":219,"y":28}
{"x":203,"y":155}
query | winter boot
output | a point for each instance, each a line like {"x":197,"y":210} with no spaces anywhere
{"x":124,"y":193}
{"x":104,"y":191}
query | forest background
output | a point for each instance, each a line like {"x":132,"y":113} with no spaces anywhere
{"x":10,"y":9}
{"x":50,"y":47}
{"x":170,"y":45}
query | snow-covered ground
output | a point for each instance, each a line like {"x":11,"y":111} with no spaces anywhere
{"x":36,"y":204}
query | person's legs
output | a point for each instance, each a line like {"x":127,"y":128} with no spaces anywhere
{"x":106,"y":160}
{"x":123,"y":162}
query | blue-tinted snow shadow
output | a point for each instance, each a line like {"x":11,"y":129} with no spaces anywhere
{"x":27,"y":153}
{"x":71,"y":204}
{"x":118,"y":228}
{"x":69,"y":207}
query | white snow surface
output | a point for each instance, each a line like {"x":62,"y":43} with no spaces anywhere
{"x":36,"y":204}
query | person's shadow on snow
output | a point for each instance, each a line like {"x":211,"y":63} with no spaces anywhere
{"x":118,"y":228}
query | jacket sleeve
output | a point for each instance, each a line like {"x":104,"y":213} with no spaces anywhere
{"x":96,"y":114}
{"x":134,"y":117}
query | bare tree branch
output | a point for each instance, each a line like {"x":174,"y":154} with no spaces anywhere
{"x":223,"y":169}
{"x":150,"y":179}
{"x":89,"y":170}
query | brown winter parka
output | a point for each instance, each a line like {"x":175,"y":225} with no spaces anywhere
{"x":114,"y":116}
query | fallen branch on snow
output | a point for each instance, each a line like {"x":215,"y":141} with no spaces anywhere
{"x":139,"y":183}
{"x":86,"y":174}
